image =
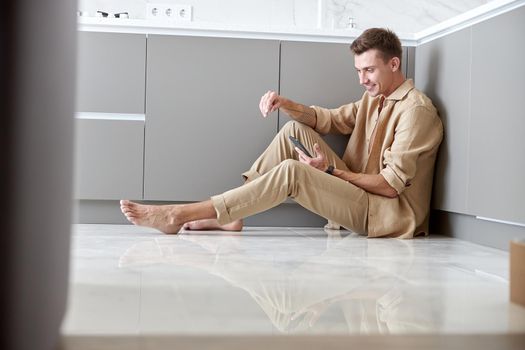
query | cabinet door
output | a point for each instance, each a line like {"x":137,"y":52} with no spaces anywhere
{"x":203,"y":125}
{"x":443,"y":73}
{"x":497,"y":146}
{"x":109,"y":158}
{"x":321,"y":74}
{"x":111,"y":72}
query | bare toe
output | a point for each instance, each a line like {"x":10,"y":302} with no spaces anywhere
{"x":189,"y":225}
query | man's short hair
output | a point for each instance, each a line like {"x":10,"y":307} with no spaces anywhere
{"x":383,"y":40}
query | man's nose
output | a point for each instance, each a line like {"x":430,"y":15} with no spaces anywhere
{"x":362,"y":79}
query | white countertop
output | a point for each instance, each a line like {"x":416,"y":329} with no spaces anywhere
{"x":148,"y":26}
{"x":144,"y":26}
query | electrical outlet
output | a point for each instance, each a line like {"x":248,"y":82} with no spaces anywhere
{"x":169,"y":12}
{"x":183,"y":12}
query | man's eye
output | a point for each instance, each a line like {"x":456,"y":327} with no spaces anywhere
{"x":370,"y":70}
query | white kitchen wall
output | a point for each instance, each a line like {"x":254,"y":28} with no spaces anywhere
{"x":406,"y":16}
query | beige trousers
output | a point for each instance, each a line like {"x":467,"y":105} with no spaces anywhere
{"x":278,"y":174}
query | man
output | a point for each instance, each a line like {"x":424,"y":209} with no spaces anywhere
{"x":381,"y":186}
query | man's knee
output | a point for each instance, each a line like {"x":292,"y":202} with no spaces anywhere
{"x":292,"y":166}
{"x":293,"y":174}
{"x":289,"y":163}
{"x":291,"y":127}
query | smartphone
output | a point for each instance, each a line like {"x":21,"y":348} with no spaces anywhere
{"x":299,"y":145}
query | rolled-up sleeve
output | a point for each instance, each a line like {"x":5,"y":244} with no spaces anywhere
{"x":336,"y":121}
{"x":419,"y":131}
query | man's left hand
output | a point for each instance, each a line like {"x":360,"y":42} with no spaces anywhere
{"x":319,"y":162}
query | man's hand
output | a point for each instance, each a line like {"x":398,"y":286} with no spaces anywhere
{"x":319,"y":162}
{"x":270,"y":102}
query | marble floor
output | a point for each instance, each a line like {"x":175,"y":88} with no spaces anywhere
{"x":134,"y":282}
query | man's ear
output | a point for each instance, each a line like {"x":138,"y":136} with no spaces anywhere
{"x":395,"y":64}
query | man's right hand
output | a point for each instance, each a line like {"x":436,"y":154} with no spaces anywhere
{"x":270,"y":102}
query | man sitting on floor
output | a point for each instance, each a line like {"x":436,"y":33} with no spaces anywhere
{"x":380,"y":187}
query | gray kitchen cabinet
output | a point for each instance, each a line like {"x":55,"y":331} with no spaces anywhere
{"x":443,"y":72}
{"x":203,"y":125}
{"x":111,"y":72}
{"x":497,"y":143}
{"x":471,"y":78}
{"x":321,"y":74}
{"x":109,"y":158}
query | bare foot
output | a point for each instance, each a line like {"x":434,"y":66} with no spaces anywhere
{"x":212,"y":224}
{"x":161,"y":217}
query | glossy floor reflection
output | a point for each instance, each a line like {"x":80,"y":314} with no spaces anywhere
{"x":127,"y":280}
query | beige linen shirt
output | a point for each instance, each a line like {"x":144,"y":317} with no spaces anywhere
{"x":403,"y":151}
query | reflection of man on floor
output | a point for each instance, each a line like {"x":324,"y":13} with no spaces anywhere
{"x":380,"y":187}
{"x":350,"y":278}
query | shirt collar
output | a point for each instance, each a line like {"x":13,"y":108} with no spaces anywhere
{"x":402,"y":90}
